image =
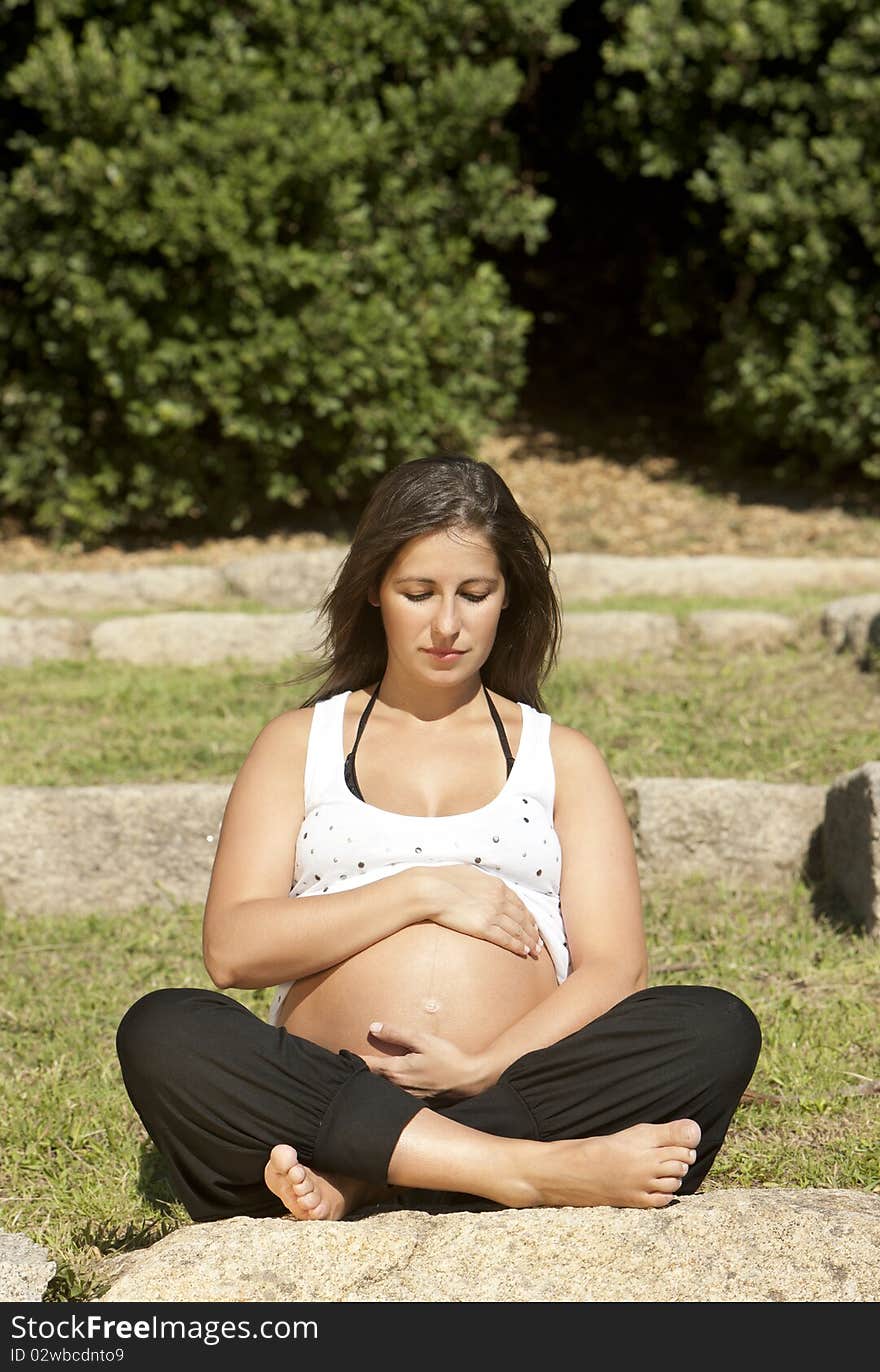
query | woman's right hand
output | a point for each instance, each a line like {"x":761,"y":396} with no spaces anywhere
{"x":471,"y":901}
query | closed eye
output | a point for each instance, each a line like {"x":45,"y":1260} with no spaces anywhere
{"x":423,"y":595}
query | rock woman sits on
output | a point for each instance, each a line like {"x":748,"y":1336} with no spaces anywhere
{"x":440,"y":880}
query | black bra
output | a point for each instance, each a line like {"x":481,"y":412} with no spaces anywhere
{"x":351,"y":780}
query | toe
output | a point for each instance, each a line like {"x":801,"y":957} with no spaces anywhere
{"x":667,"y":1184}
{"x":672,"y":1167}
{"x":687,"y":1155}
{"x":282,"y":1157}
{"x":680,"y":1134}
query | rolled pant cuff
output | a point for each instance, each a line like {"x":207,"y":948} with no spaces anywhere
{"x":363,"y":1122}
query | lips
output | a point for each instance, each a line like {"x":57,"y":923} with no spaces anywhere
{"x":444,"y":652}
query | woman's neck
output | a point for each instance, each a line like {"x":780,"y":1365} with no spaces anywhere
{"x":428,"y":701}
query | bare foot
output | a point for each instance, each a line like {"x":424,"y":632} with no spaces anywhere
{"x":313,"y":1195}
{"x":642,"y":1166}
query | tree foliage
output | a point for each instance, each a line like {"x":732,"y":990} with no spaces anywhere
{"x":240,"y":249}
{"x":768,"y":115}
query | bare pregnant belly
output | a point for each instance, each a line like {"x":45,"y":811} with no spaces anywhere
{"x":422,"y":977}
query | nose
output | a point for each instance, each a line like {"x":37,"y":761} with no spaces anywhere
{"x":446,"y":618}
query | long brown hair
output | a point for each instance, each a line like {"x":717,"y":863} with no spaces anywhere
{"x":420,"y":497}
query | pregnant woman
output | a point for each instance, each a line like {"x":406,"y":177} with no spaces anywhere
{"x":441,"y":882}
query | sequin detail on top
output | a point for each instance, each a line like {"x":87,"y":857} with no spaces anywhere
{"x":351,"y":842}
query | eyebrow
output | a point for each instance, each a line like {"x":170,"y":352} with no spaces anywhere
{"x":428,"y":580}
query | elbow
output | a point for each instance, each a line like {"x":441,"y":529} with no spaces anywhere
{"x":221,"y":951}
{"x":627,"y":975}
{"x":222,"y":977}
{"x":222,"y":974}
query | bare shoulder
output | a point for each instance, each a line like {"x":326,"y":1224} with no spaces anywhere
{"x":278,"y":753}
{"x":572,"y":751}
{"x":288,"y":731}
{"x":583,"y":777}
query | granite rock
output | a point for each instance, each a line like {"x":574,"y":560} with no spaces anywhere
{"x":739,"y":830}
{"x":765,"y":1244}
{"x":25,"y":1268}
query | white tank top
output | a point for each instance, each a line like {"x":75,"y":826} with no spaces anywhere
{"x":344,"y":841}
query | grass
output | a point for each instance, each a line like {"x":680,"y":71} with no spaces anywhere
{"x":79,"y":1176}
{"x":230,"y":604}
{"x":807,"y":604}
{"x":798,"y":713}
{"x":810,"y":1117}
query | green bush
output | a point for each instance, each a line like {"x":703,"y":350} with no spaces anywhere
{"x":240,"y":250}
{"x":767,"y":114}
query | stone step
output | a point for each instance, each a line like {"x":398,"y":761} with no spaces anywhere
{"x":297,"y":580}
{"x":853,"y":623}
{"x":199,"y":637}
{"x":752,"y":1244}
{"x":74,"y":849}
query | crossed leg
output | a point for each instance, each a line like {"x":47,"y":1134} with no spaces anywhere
{"x":556,"y":1128}
{"x":642,"y":1166}
{"x":611,"y":1114}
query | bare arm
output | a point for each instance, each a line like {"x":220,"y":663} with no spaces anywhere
{"x":601,"y":907}
{"x":276,"y":940}
{"x":253,"y":933}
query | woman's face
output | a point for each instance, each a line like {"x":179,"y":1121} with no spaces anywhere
{"x":443,"y":591}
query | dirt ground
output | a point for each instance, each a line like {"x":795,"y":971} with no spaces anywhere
{"x":645,"y":504}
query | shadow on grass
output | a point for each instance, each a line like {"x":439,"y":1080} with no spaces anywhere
{"x":107,"y":1240}
{"x":154,"y":1183}
{"x":831,"y":907}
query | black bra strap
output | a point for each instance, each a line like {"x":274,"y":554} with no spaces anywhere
{"x":500,"y":727}
{"x":350,"y":774}
{"x":362,"y":722}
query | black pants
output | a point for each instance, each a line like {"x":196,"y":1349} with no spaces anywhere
{"x":216,"y":1087}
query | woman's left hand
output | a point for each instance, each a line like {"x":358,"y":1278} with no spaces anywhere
{"x":431,"y":1066}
